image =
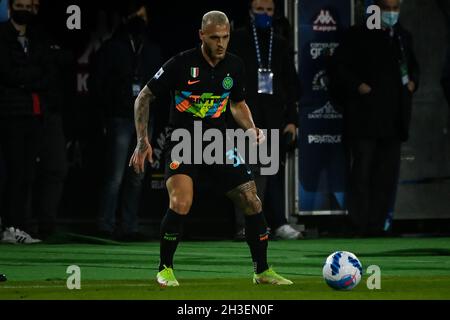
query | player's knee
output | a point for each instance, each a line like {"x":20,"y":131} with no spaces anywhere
{"x":180,"y":205}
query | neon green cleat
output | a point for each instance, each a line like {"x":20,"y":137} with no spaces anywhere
{"x":166,"y":278}
{"x":270,"y":277}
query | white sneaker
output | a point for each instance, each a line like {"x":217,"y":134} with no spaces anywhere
{"x":15,"y":236}
{"x":287,"y":232}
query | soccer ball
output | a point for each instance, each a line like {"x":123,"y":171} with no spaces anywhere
{"x":342,"y":270}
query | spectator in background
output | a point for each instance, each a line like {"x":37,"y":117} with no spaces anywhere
{"x":377,"y":73}
{"x":122,"y":66}
{"x":280,"y":23}
{"x":272,"y":90}
{"x":52,"y":165}
{"x":24,"y":77}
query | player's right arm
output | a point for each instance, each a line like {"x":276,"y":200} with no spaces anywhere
{"x":143,"y":150}
{"x":162,"y":82}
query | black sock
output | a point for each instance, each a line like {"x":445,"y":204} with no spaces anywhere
{"x":257,"y":238}
{"x":171,"y":230}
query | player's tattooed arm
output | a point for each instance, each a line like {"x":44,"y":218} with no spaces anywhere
{"x":143,"y":149}
{"x":243,"y":116}
{"x":246,"y":198}
{"x":141,"y":114}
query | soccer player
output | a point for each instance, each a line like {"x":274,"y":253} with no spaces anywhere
{"x":203,"y":81}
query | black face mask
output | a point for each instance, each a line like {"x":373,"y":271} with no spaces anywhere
{"x":136,"y":26}
{"x":21,"y":17}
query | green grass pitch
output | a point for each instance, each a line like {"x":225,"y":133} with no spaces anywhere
{"x":411,"y":268}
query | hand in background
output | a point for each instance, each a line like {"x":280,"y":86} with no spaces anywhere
{"x":364,"y":88}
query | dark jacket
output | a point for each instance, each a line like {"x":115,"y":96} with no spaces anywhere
{"x":269,"y":111}
{"x":62,"y":62}
{"x":373,"y":57}
{"x":445,"y":80}
{"x":116,"y":67}
{"x":22,"y":74}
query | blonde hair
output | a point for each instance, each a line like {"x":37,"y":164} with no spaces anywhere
{"x":214,"y":17}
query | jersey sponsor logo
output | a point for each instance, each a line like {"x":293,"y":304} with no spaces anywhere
{"x":158,"y":74}
{"x":191,"y":82}
{"x":174,"y":165}
{"x":227,"y":83}
{"x":206,"y":105}
{"x":195,"y":71}
{"x":324,"y":22}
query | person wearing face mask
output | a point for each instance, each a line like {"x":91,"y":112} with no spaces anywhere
{"x":272,"y":88}
{"x":121,"y":67}
{"x":377,"y":73}
{"x":52,"y":165}
{"x":24,"y":81}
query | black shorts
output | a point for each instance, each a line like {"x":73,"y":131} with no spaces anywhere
{"x":225,"y":176}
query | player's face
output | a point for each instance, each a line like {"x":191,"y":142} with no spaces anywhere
{"x":215,"y":39}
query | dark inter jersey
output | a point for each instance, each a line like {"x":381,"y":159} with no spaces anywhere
{"x":199,"y":91}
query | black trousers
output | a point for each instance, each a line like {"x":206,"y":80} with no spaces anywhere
{"x":20,"y":139}
{"x":374,"y":171}
{"x":51,"y":174}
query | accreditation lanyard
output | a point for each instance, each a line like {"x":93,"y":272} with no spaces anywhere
{"x":403,"y":61}
{"x":265,"y":75}
{"x":35,"y":98}
{"x":136,"y":84}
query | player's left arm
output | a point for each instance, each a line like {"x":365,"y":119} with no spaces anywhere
{"x":243,"y":117}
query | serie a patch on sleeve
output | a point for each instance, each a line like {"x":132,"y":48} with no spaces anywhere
{"x":158,"y":74}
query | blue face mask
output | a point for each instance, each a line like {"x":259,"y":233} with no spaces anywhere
{"x":262,"y":20}
{"x":389,"y":18}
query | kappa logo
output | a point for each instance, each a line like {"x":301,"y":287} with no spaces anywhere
{"x":324,"y":22}
{"x":327,"y":112}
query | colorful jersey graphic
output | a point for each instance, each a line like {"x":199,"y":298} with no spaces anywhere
{"x":199,"y":91}
{"x":205,"y":106}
